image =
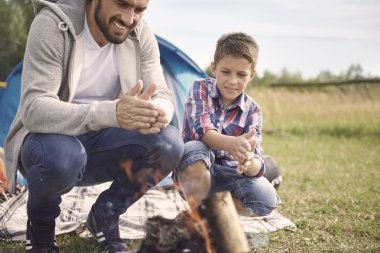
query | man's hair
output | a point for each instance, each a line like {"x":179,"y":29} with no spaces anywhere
{"x":237,"y":45}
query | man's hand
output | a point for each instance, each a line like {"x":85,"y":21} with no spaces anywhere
{"x":138,"y":112}
{"x":162,"y":121}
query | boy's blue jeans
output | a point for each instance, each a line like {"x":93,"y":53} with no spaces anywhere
{"x":255,"y":193}
{"x":53,"y":164}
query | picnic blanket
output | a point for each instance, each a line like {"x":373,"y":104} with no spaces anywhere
{"x":77,"y":203}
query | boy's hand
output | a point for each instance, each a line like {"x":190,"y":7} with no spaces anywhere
{"x":240,"y":147}
{"x":251,"y":167}
{"x":243,"y":167}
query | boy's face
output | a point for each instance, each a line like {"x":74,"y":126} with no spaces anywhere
{"x":232,"y":75}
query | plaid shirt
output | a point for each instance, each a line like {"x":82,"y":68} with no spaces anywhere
{"x":204,"y":111}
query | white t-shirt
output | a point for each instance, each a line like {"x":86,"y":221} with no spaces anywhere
{"x":99,"y":79}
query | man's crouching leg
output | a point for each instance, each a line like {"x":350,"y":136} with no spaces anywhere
{"x":52,"y":164}
{"x":138,"y":162}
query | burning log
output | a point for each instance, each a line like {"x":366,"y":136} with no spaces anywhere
{"x":217,"y":231}
{"x":172,"y":236}
{"x":224,"y":224}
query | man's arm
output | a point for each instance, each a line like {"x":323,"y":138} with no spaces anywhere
{"x":152,"y":73}
{"x":41,"y":109}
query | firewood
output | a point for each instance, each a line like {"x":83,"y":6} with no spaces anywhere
{"x":224,"y":224}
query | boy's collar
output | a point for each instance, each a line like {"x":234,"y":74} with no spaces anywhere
{"x":239,"y":101}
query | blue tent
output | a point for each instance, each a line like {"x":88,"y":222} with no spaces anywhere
{"x":9,"y":100}
{"x":179,"y":70}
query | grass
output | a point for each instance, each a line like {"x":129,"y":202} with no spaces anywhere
{"x":342,"y":111}
{"x":327,"y":142}
{"x":330,"y":191}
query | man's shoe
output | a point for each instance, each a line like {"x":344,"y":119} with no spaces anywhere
{"x":40,"y":237}
{"x":106,"y":231}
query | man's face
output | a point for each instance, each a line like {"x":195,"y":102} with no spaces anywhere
{"x":116,"y":18}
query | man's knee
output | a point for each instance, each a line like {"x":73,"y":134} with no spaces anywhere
{"x":168,"y":143}
{"x":67,"y":170}
{"x":171,"y":140}
{"x":56,"y":158}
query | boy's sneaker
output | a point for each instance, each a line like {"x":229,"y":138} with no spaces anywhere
{"x":272,"y":172}
{"x":106,"y":231}
{"x":40,"y":237}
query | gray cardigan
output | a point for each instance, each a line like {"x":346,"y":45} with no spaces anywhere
{"x":52,"y":65}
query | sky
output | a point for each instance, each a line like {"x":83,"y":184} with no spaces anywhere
{"x":306,"y":36}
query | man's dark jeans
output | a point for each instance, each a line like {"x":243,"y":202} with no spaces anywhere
{"x":55,"y":163}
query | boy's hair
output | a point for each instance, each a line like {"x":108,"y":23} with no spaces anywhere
{"x":237,"y":45}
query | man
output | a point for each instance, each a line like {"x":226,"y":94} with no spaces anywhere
{"x":86,"y":118}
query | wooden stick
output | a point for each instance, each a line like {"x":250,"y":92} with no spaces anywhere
{"x":223,"y":221}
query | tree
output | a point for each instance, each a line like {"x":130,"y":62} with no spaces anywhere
{"x":15,"y":19}
{"x":267,"y":78}
{"x":355,"y":71}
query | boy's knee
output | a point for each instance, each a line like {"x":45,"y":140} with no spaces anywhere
{"x":195,"y":182}
{"x":196,"y":151}
{"x":261,"y":199}
{"x":196,"y":176}
{"x":197,"y":170}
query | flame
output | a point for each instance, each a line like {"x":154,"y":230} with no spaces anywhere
{"x":201,"y":224}
{"x":2,"y":193}
{"x":157,"y":176}
{"x":127,"y":167}
{"x":140,"y":177}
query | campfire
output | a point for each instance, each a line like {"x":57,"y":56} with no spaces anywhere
{"x":215,"y":228}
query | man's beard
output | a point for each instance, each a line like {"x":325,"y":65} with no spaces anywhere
{"x":104,"y":29}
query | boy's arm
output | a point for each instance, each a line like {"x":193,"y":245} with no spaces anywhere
{"x":238,"y":146}
{"x":197,"y":112}
{"x":254,"y":165}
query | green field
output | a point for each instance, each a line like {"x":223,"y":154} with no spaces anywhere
{"x":327,"y":143}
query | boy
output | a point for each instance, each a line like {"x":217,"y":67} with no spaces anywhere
{"x":222,"y":133}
